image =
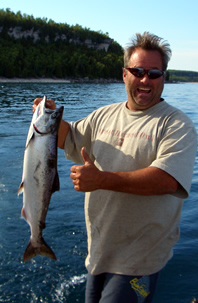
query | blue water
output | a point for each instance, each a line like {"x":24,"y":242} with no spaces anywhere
{"x":44,"y":280}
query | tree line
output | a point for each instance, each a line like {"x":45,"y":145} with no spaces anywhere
{"x":65,"y":57}
{"x":62,"y":58}
{"x":181,"y":76}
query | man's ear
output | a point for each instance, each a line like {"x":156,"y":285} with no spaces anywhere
{"x":124,"y":73}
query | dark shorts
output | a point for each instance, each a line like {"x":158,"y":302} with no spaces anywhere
{"x":114,"y":288}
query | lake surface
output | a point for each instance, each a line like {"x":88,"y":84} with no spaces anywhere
{"x":44,"y":280}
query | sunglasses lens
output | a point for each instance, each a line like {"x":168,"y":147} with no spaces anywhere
{"x":140,"y":72}
{"x":154,"y":73}
{"x":137,"y":72}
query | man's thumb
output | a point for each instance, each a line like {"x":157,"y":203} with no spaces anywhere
{"x":85,"y":156}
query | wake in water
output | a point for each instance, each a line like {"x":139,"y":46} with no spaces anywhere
{"x":63,"y":291}
{"x":41,"y":291}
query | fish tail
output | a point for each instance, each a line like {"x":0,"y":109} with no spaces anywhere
{"x":43,"y":249}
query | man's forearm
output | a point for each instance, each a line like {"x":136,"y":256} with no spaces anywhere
{"x":147,"y":181}
{"x":62,"y":133}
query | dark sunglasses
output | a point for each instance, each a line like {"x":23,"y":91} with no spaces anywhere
{"x":140,"y":72}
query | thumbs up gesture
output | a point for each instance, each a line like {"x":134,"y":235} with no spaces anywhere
{"x":87,"y":177}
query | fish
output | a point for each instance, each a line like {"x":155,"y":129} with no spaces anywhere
{"x":40,"y":176}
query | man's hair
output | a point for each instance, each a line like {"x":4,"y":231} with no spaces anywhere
{"x":148,"y":42}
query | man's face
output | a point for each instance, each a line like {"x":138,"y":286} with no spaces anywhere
{"x":143,"y":92}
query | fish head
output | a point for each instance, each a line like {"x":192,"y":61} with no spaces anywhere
{"x":53,"y":119}
{"x":40,"y":109}
{"x":46,"y":120}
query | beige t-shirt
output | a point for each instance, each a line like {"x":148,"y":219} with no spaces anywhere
{"x":131,"y":234}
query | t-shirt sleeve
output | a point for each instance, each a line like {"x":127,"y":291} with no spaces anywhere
{"x":80,"y":135}
{"x":176,"y":153}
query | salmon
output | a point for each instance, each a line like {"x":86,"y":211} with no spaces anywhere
{"x":40,"y":177}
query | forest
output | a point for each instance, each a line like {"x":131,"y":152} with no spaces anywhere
{"x":40,"y":48}
{"x":181,"y":76}
{"x":55,"y":50}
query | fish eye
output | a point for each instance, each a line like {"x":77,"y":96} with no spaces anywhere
{"x":54,"y":115}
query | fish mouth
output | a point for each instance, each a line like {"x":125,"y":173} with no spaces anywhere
{"x":60,"y":112}
{"x":60,"y":109}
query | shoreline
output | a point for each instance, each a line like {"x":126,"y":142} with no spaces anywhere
{"x":74,"y":80}
{"x":32,"y":80}
{"x":56,"y":80}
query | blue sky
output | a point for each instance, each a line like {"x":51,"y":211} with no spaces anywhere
{"x":174,"y":20}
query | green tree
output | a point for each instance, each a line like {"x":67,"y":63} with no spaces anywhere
{"x":54,"y":54}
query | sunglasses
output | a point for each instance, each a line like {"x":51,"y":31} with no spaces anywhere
{"x":140,"y":72}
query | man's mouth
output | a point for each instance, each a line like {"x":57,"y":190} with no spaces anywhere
{"x":143,"y":90}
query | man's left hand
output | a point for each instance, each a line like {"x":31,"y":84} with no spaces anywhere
{"x":86,"y":178}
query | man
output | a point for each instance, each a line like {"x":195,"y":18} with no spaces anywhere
{"x":138,"y":159}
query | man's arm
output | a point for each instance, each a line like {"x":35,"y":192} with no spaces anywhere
{"x":62,"y":133}
{"x":146,"y":181}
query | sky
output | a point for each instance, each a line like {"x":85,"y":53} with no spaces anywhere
{"x":176,"y":21}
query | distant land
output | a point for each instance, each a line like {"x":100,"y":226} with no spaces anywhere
{"x":42,"y":49}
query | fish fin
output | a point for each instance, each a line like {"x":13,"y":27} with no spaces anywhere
{"x":42,"y":225}
{"x":56,"y":184}
{"x":31,"y":137}
{"x":21,"y":188}
{"x":23,"y":214}
{"x":43,"y":249}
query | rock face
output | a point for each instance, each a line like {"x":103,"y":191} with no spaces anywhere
{"x":18,"y":32}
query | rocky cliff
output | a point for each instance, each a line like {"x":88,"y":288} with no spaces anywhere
{"x":18,"y":32}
